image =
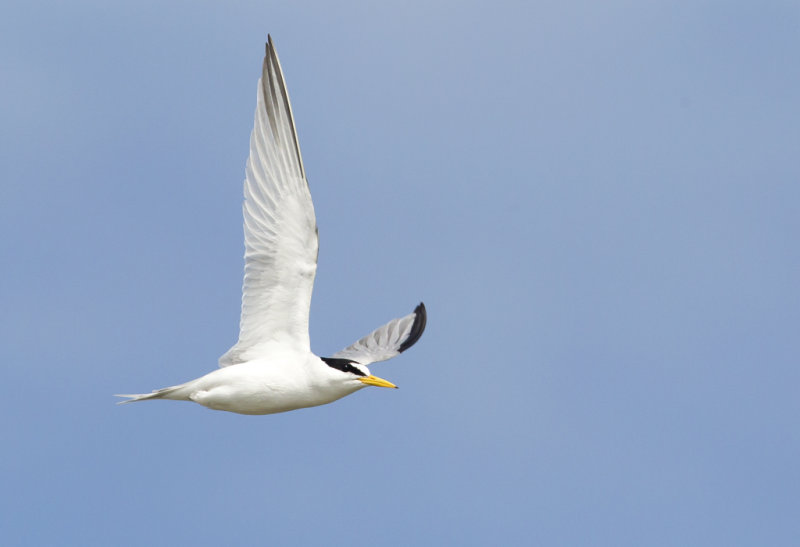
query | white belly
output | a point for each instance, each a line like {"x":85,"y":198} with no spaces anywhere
{"x":264,"y":388}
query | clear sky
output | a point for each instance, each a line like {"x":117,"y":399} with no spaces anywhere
{"x":599,"y":203}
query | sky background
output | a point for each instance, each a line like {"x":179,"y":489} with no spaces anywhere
{"x":599,"y":203}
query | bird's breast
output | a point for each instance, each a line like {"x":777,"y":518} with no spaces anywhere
{"x":266,"y":388}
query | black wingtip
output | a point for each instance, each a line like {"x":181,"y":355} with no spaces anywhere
{"x":420,"y":319}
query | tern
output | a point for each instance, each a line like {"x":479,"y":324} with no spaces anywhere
{"x":271,"y":368}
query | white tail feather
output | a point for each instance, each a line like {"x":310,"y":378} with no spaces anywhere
{"x":156,"y":394}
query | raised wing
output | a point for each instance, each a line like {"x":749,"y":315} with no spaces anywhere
{"x":280,"y":229}
{"x":388,"y":341}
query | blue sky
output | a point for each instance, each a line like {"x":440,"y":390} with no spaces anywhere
{"x":599,"y":205}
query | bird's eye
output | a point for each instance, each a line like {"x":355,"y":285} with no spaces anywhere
{"x":343,"y":365}
{"x":353,"y":370}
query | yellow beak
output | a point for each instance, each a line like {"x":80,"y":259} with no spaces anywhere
{"x":375,"y":381}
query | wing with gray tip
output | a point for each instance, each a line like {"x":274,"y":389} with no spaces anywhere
{"x":280,"y":228}
{"x":388,"y":341}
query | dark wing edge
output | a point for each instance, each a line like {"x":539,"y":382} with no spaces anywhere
{"x":420,"y":320}
{"x":274,"y":89}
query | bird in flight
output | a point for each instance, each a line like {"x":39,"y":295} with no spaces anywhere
{"x":271,"y":368}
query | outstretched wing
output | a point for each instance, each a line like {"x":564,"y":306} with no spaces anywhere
{"x":388,"y":341}
{"x":280,"y":228}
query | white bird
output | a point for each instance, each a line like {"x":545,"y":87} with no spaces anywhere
{"x":271,"y":368}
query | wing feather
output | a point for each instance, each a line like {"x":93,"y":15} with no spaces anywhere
{"x":388,"y":341}
{"x":280,"y":228}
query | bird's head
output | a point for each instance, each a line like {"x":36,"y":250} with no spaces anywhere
{"x":356,"y":373}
